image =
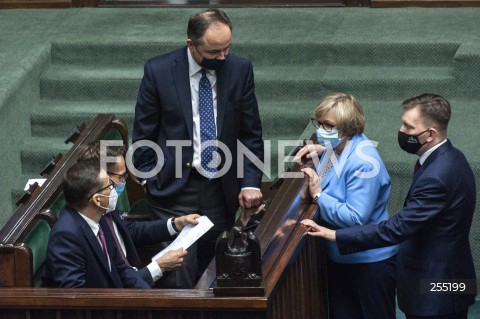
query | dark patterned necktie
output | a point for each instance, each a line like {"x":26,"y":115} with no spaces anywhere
{"x":101,"y":235}
{"x":109,"y":219}
{"x":208,"y":131}
{"x":417,"y":167}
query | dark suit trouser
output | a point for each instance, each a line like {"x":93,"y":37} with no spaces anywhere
{"x":361,"y":291}
{"x":204,"y":197}
{"x":460,"y":315}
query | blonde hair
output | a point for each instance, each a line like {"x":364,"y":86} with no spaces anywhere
{"x":347,"y":110}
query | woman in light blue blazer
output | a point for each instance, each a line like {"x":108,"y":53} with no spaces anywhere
{"x":351,"y":186}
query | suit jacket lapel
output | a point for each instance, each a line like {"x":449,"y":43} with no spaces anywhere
{"x":223,"y":84}
{"x":430,"y":159}
{"x":93,"y":242}
{"x":181,"y":78}
{"x":90,"y":237}
{"x":97,"y":248}
{"x":132,"y":255}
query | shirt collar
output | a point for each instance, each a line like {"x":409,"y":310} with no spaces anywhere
{"x":425,"y":155}
{"x":91,"y":223}
{"x":194,"y":67}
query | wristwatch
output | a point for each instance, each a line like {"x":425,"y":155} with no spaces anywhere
{"x":315,"y":199}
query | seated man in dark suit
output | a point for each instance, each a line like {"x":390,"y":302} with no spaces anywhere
{"x":130,"y":234}
{"x":81,"y":250}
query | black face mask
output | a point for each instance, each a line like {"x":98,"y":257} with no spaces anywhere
{"x":211,"y":64}
{"x":410,"y":143}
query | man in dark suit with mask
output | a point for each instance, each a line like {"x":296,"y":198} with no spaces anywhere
{"x":435,"y":271}
{"x":197,"y":105}
{"x":81,"y":250}
{"x":131,"y":234}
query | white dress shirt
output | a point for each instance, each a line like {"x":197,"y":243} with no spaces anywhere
{"x":153,"y":267}
{"x":95,"y":228}
{"x":195,"y":76}
{"x":425,"y":155}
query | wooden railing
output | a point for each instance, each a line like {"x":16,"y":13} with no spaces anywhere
{"x":292,"y":264}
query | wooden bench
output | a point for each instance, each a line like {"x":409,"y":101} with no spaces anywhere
{"x":24,"y":236}
{"x":293,"y":268}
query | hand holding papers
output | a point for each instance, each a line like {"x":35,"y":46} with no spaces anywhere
{"x":189,"y":234}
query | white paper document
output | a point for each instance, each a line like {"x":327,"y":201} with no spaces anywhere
{"x":189,"y":234}
{"x":32,"y":181}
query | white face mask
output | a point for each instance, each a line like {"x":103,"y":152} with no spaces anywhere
{"x":332,"y":137}
{"x":112,"y":201}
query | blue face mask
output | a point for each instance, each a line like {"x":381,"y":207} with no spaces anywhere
{"x":332,"y":137}
{"x":120,"y":187}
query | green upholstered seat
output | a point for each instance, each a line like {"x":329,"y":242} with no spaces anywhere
{"x":37,"y":240}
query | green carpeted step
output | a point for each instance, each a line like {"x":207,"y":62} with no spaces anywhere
{"x":60,"y":118}
{"x":350,"y":53}
{"x":364,"y":82}
{"x":56,"y":118}
{"x":36,"y":153}
{"x":467,"y":68}
{"x":272,"y":82}
{"x":281,"y":121}
{"x":285,"y":118}
{"x":283,"y":51}
{"x":108,"y":53}
{"x":90,"y":82}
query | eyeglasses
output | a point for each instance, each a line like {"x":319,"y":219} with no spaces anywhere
{"x":326,"y":126}
{"x":121,"y":177}
{"x":110,"y":186}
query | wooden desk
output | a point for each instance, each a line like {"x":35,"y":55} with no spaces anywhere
{"x":292,"y":265}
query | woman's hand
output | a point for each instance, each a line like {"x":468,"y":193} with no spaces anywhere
{"x":309,"y":151}
{"x":314,"y":186}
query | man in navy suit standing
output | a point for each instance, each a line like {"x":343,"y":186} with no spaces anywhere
{"x":188,"y":98}
{"x":435,"y":271}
